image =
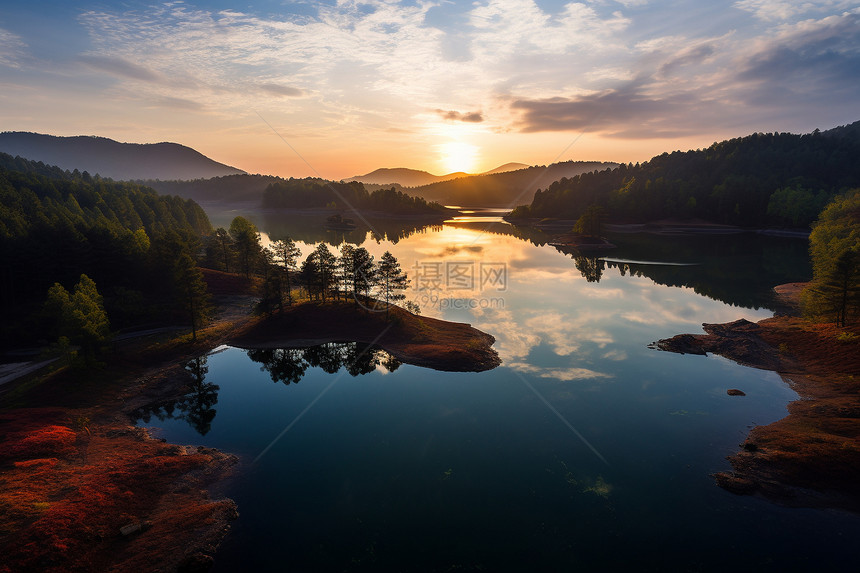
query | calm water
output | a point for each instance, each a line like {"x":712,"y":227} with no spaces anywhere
{"x":585,"y":450}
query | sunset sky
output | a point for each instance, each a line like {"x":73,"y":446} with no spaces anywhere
{"x":339,"y":88}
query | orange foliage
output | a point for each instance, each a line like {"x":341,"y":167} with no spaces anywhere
{"x":60,"y":511}
{"x":46,"y":441}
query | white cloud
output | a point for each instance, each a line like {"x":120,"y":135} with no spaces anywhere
{"x":12,"y":49}
{"x":782,"y":10}
{"x":565,"y":374}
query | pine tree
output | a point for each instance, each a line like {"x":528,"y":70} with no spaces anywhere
{"x":191,"y":292}
{"x":835,"y":249}
{"x":247,"y":240}
{"x":327,"y":268}
{"x":391,"y":280}
{"x":286,"y":254}
{"x":363,"y":272}
{"x":80,"y":316}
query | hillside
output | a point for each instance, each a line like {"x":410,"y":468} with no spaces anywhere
{"x":504,"y":189}
{"x":112,"y":159}
{"x":764,"y":179}
{"x":403,"y":177}
{"x":56,"y":225}
{"x":227,"y":188}
{"x":505,"y":168}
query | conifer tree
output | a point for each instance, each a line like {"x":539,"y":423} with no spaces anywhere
{"x":391,"y":280}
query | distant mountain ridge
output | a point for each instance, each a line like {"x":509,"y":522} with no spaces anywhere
{"x":402,"y":176}
{"x":109,"y":158}
{"x":505,"y":189}
{"x":406,"y":177}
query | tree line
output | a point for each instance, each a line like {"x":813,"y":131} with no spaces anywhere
{"x":764,"y":179}
{"x":118,"y":245}
{"x":318,"y":194}
{"x":348,"y":274}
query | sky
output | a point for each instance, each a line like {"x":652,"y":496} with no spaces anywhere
{"x":342,"y":87}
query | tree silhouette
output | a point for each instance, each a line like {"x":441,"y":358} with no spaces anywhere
{"x":391,"y":280}
{"x":247,"y":239}
{"x":286,"y":254}
{"x":191,"y":292}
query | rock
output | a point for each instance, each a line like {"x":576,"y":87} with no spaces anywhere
{"x":735,"y":392}
{"x":196,"y":563}
{"x":735,"y":484}
{"x":682,"y":344}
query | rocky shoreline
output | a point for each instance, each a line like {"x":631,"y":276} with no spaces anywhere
{"x":810,"y":458}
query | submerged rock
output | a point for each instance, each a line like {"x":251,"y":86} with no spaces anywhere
{"x":735,"y":392}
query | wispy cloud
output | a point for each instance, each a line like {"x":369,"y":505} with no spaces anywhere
{"x":120,"y":67}
{"x":282,"y":91}
{"x":12,"y":49}
{"x":781,"y":10}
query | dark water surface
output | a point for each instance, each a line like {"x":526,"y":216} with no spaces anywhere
{"x":585,"y":450}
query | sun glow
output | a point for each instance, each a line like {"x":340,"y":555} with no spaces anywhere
{"x":458,"y":156}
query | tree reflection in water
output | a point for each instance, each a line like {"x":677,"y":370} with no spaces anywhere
{"x":288,"y":365}
{"x":196,"y":406}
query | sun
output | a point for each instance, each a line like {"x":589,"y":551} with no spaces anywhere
{"x":458,"y":156}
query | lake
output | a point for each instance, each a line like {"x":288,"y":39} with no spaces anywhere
{"x":585,"y":450}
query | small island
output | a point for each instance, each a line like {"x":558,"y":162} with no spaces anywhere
{"x":412,"y":339}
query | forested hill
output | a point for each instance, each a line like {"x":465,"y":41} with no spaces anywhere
{"x":227,"y":188}
{"x":317,"y":193}
{"x":764,"y":179}
{"x":503,"y":189}
{"x":109,"y":158}
{"x":56,"y":225}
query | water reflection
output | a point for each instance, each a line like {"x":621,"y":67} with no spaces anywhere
{"x":196,"y":406}
{"x":289,"y":365}
{"x":310,"y":228}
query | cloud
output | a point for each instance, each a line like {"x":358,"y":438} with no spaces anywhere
{"x":687,"y":86}
{"x":281,"y":90}
{"x":564,"y":374}
{"x":12,"y":49}
{"x":120,"y":67}
{"x":177,"y":103}
{"x":781,"y":10}
{"x":812,"y":63}
{"x":627,"y":104}
{"x":468,"y":117}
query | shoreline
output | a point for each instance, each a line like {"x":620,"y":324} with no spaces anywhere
{"x":811,"y":457}
{"x":76,"y":473}
{"x":669,"y":227}
{"x":411,"y":339}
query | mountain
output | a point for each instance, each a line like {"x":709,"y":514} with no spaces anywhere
{"x":505,"y":189}
{"x":763,"y":179}
{"x":414,"y":178}
{"x":109,"y":158}
{"x":505,"y":168}
{"x":403,"y":177}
